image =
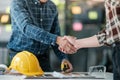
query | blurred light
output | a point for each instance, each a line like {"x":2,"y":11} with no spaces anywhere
{"x":8,"y":10}
{"x":56,"y":2}
{"x":8,"y":28}
{"x":93,"y":15}
{"x":76,"y":10}
{"x":4,"y":18}
{"x":77,"y":26}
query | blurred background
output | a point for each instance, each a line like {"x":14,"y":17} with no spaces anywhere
{"x":80,"y":18}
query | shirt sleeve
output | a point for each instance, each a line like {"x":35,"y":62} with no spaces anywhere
{"x":20,"y":14}
{"x":102,"y":37}
{"x":111,"y":33}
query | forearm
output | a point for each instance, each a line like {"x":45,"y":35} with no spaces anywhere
{"x":87,"y":42}
{"x":40,"y":35}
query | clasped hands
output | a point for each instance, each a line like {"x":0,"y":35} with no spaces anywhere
{"x":67,"y":44}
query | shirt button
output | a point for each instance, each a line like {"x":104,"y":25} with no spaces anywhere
{"x":52,"y":43}
{"x":38,"y":52}
{"x":42,"y":41}
{"x":41,"y":9}
{"x":41,"y":20}
{"x":35,"y":2}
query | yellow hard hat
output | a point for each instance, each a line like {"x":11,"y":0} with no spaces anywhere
{"x":26,"y":63}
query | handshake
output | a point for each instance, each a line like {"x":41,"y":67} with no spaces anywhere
{"x":67,"y":44}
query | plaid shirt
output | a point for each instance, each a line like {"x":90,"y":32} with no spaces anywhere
{"x":111,"y":33}
{"x":35,"y":27}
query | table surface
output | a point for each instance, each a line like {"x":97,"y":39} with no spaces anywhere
{"x":108,"y":76}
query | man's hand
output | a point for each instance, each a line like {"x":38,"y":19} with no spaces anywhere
{"x":84,"y":43}
{"x":66,"y":66}
{"x":65,"y":45}
{"x":71,"y":39}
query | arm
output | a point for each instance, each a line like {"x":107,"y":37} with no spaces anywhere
{"x":56,"y":30}
{"x":87,"y":42}
{"x":62,"y":57}
{"x":24,"y":22}
{"x":22,"y":17}
{"x":109,"y":35}
{"x":84,"y":42}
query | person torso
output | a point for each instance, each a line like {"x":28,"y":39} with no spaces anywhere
{"x":43,"y":16}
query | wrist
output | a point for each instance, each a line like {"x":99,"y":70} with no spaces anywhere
{"x":58,"y":40}
{"x":78,"y":44}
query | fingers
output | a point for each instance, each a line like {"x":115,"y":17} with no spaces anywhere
{"x":68,"y":45}
{"x":68,"y":48}
{"x":71,"y":39}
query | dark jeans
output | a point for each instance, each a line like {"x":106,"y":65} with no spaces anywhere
{"x":43,"y":59}
{"x":116,"y":62}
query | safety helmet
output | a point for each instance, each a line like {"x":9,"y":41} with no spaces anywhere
{"x":26,"y":63}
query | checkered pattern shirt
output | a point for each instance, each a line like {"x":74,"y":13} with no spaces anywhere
{"x":111,"y":33}
{"x":35,"y":27}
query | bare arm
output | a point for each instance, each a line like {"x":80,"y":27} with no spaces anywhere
{"x":87,"y":42}
{"x":65,"y":46}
